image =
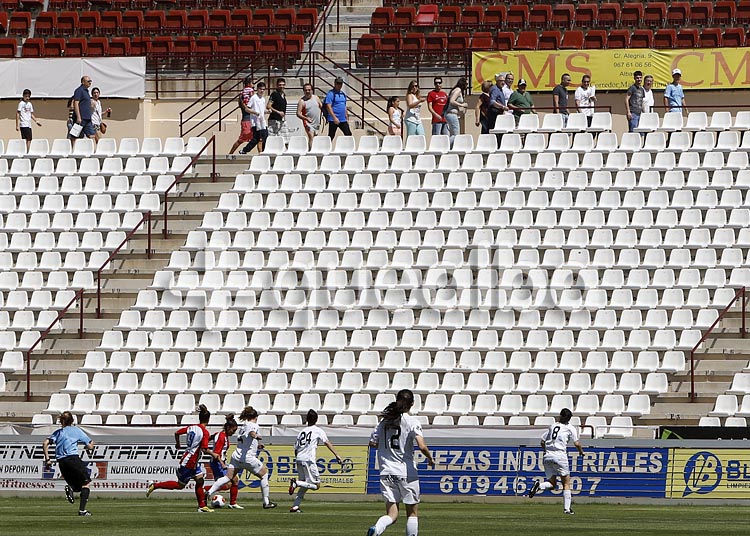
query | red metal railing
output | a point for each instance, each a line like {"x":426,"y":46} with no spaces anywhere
{"x":740,"y":292}
{"x":212,"y":143}
{"x":77,"y":297}
{"x":146,"y":218}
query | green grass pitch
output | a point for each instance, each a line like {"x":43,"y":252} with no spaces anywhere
{"x":166,"y":517}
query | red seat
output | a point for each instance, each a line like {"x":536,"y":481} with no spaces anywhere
{"x":197,"y":21}
{"x":549,"y":40}
{"x":654,"y":14}
{"x":381,"y":19}
{"x":449,"y":18}
{"x":132,"y":23}
{"x":733,"y":37}
{"x":46,"y":22}
{"x":226,"y":45}
{"x":294,"y":45}
{"x":572,"y":40}
{"x":162,"y":45}
{"x":263,"y":20}
{"x":710,"y":38}
{"x":33,"y":47}
{"x":218,"y":20}
{"x":206,"y":47}
{"x":183,"y":52}
{"x":540,"y":15}
{"x":724,"y":11}
{"x":618,"y":39}
{"x":111,"y":21}
{"x":664,"y":38}
{"x":307,"y":19}
{"x":495,"y":16}
{"x":8,"y":47}
{"x":248,"y":45}
{"x":76,"y":47}
{"x":67,"y":23}
{"x":404,"y":17}
{"x":3,"y":22}
{"x":54,"y":47}
{"x":435,"y":46}
{"x":89,"y":23}
{"x":482,"y":41}
{"x":563,"y":16}
{"x":187,"y":4}
{"x":517,"y":16}
{"x":119,"y":46}
{"x":286,"y":19}
{"x":609,"y":15}
{"x":701,"y":13}
{"x":175,"y":21}
{"x":140,"y":46}
{"x":19,"y":24}
{"x":98,"y":47}
{"x":687,"y":38}
{"x":742,"y":15}
{"x":472,"y":17}
{"x":586,"y":15}
{"x":271,"y":45}
{"x":154,"y":22}
{"x":427,"y":15}
{"x":631,"y":14}
{"x":458,"y":46}
{"x":57,"y":5}
{"x":367,"y":48}
{"x":505,"y":40}
{"x":641,"y":39}
{"x":411,"y":49}
{"x":390,"y":47}
{"x":122,"y":4}
{"x":595,"y":39}
{"x":678,"y":13}
{"x":239,"y":20}
{"x":527,"y":40}
{"x":142,"y":4}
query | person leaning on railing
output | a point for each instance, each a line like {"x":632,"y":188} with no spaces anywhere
{"x":520,"y":101}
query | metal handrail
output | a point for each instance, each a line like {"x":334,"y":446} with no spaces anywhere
{"x":320,"y":27}
{"x":740,"y":292}
{"x":145,"y":218}
{"x":78,"y":296}
{"x":179,"y":177}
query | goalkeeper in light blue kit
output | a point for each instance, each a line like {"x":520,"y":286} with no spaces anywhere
{"x":555,"y":444}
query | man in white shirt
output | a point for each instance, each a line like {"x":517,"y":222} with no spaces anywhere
{"x":586,"y":98}
{"x":555,"y":445}
{"x":508,"y":90}
{"x":257,"y":108}
{"x":24,"y":117}
{"x":648,"y":99}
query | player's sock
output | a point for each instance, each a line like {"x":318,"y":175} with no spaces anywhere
{"x":264,"y":489}
{"x":382,"y":524}
{"x":218,"y":484}
{"x":546,"y":485}
{"x":168,"y":484}
{"x":84,"y":498}
{"x":306,"y":485}
{"x":233,"y":491}
{"x":412,"y":526}
{"x":566,"y":499}
{"x":200,"y":494}
{"x":300,"y":495}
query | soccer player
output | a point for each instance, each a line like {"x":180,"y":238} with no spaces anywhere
{"x":555,"y":445}
{"x":245,"y":456}
{"x":190,"y":467}
{"x":307,"y":468}
{"x":72,"y":467}
{"x":394,"y":437}
{"x":219,"y":465}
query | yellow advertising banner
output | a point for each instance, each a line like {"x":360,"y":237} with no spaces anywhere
{"x":709,"y":474}
{"x":348,"y":477}
{"x":724,"y":68}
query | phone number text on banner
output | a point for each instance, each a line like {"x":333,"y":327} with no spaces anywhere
{"x":507,"y":471}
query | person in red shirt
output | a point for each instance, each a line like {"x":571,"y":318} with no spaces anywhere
{"x":190,"y":467}
{"x":219,"y":465}
{"x":436,"y":101}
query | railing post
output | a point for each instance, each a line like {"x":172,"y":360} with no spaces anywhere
{"x":28,"y":375}
{"x":148,"y":224}
{"x":166,"y":201}
{"x":99,"y":293}
{"x":80,"y":306}
{"x":213,"y":158}
{"x":692,"y":376}
{"x":743,"y":312}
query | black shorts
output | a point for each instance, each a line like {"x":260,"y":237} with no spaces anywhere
{"x":25,"y":133}
{"x":74,"y":471}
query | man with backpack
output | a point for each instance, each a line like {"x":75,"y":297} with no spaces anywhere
{"x":336,"y":112}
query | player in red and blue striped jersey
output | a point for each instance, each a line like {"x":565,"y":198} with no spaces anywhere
{"x":219,"y":465}
{"x":190,"y":467}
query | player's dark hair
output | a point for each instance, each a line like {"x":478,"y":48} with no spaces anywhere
{"x":229,"y":423}
{"x":248,"y":414}
{"x":312,"y":417}
{"x":203,"y":414}
{"x":565,"y":416}
{"x":66,"y":419}
{"x":260,"y":85}
{"x":394,"y":410}
{"x":27,"y":92}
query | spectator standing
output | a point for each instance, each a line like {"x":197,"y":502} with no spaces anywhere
{"x":246,"y":122}
{"x":437,"y":99}
{"x":498,"y":104}
{"x":634,"y":101}
{"x":96,"y":116}
{"x":520,"y":101}
{"x":83,"y":108}
{"x":24,"y":117}
{"x":456,"y":108}
{"x":413,"y":115}
{"x":482,"y":108}
{"x":394,"y":117}
{"x":648,"y":94}
{"x":277,"y":107}
{"x":560,"y":98}
{"x":336,"y":112}
{"x":309,"y":111}
{"x":585,"y":97}
{"x":257,"y":106}
{"x":674,"y":95}
{"x":71,"y":119}
{"x":508,"y":91}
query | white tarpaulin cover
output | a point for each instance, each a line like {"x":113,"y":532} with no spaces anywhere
{"x":59,"y":77}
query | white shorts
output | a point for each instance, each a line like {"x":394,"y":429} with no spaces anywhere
{"x":307,"y":471}
{"x":397,"y":489}
{"x":556,"y":464}
{"x":251,"y":465}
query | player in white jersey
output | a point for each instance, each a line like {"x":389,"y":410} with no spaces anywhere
{"x":245,"y":456}
{"x":305,"y":449}
{"x":394,"y":437}
{"x":555,"y":445}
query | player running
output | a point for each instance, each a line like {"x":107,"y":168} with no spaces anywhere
{"x":245,"y":456}
{"x":190,"y":467}
{"x":555,"y":444}
{"x":305,"y":448}
{"x":219,"y":466}
{"x":394,"y":437}
{"x":72,"y":467}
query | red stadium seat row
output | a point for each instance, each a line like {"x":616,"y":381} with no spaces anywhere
{"x":83,"y":5}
